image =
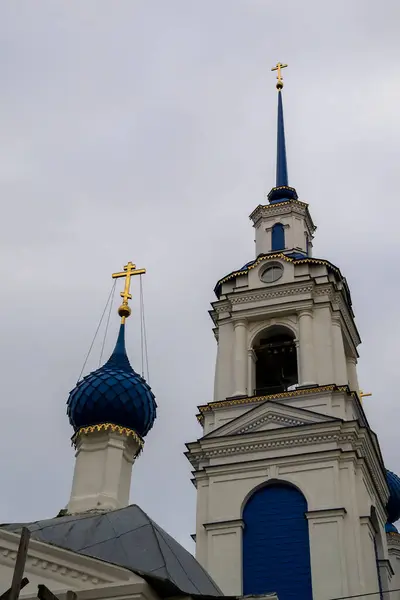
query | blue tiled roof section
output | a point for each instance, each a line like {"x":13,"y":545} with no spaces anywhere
{"x":393,"y":505}
{"x":115,"y":393}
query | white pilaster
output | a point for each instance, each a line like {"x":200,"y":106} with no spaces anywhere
{"x":251,"y":372}
{"x":216,"y":386}
{"x":328,"y":553}
{"x":225,"y":555}
{"x":352,"y":377}
{"x":339,"y":355}
{"x":103,"y":468}
{"x":240,"y":358}
{"x":306,"y":348}
{"x":226,"y":340}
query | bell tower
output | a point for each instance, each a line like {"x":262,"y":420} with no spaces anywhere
{"x":291,"y":487}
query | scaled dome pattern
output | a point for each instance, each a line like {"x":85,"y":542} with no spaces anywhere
{"x":393,"y":505}
{"x":114,"y":394}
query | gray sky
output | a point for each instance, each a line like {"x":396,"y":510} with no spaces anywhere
{"x":144,"y":130}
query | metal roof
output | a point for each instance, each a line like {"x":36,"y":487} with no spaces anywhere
{"x":129,"y":538}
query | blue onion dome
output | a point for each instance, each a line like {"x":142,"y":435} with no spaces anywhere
{"x":390,"y":528}
{"x":393,"y":505}
{"x":113,"y":395}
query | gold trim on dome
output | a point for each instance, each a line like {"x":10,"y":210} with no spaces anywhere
{"x":255,"y":399}
{"x":109,"y":427}
{"x":315,"y":261}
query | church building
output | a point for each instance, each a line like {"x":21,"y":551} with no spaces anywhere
{"x":294,"y":500}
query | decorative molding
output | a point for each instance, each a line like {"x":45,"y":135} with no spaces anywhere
{"x":272,"y":418}
{"x":257,"y":399}
{"x":349,"y":437}
{"x":393,"y":541}
{"x":325,"y":513}
{"x":283,"y":208}
{"x":52,"y":567}
{"x":230,"y":524}
{"x":239,"y":323}
{"x":222,"y":306}
{"x":266,"y":294}
{"x":300,"y":440}
{"x":109,"y":427}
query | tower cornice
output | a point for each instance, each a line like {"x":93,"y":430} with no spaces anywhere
{"x":282,"y":208}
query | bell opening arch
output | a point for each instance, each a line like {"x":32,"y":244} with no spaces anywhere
{"x":276,"y":365}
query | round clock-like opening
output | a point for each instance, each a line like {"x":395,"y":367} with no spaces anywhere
{"x":272,"y":273}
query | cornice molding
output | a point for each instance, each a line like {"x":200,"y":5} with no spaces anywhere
{"x":346,"y":436}
{"x":326,"y":513}
{"x":393,"y":542}
{"x":59,"y":563}
{"x":267,"y":294}
{"x":218,"y":525}
{"x":283,"y":208}
{"x":280,"y":396}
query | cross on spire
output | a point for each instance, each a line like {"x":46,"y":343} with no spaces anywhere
{"x":129,"y":270}
{"x":279,"y":66}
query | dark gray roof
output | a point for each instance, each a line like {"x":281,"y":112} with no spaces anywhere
{"x":129,"y":538}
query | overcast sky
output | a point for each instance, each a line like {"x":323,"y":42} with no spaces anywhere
{"x":144,"y":130}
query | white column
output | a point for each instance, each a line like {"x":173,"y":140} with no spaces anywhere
{"x":103,"y":469}
{"x":224,"y":376}
{"x":306,"y":348}
{"x":216,"y":387}
{"x":339,"y":356}
{"x":240,"y":358}
{"x":251,"y":372}
{"x":352,"y":377}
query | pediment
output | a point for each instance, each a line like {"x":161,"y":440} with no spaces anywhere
{"x":269,"y":415}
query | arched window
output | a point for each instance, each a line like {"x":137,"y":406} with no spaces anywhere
{"x":276,"y":546}
{"x":278,"y":237}
{"x":276,"y":361}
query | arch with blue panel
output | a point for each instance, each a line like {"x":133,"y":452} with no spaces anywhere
{"x":276,"y":545}
{"x":278,"y":237}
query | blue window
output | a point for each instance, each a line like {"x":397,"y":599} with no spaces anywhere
{"x":276,"y":547}
{"x":278,"y":237}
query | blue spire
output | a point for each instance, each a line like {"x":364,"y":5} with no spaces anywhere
{"x":281,"y":163}
{"x":281,"y":192}
{"x":119,"y":358}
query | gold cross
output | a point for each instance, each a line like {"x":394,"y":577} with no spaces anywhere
{"x":279,"y":67}
{"x":130,"y":269}
{"x":362,"y":395}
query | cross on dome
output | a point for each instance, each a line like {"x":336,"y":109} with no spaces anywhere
{"x":129,"y":270}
